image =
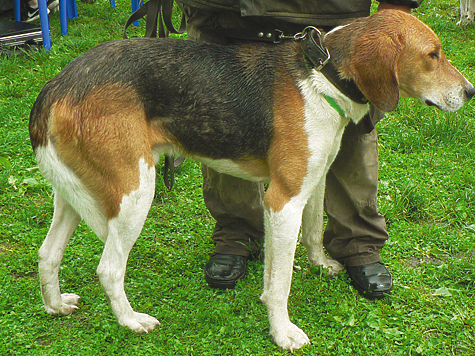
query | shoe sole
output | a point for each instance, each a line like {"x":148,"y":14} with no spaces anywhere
{"x":217,"y":284}
{"x":368,"y":294}
{"x":34,"y":18}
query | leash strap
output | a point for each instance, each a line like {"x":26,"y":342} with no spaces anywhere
{"x":158,"y":15}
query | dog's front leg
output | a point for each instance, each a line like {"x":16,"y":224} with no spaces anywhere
{"x":312,"y":231}
{"x":282,"y":228}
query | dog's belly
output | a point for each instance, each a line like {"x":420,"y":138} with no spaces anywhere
{"x":253,"y":170}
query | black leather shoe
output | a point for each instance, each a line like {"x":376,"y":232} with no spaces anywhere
{"x":223,"y":271}
{"x":372,"y":281}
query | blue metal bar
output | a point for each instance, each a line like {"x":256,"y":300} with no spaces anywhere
{"x":72,"y":9}
{"x":17,"y":10}
{"x":43,"y":8}
{"x":63,"y":10}
{"x":135,"y":7}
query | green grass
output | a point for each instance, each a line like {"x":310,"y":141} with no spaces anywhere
{"x":426,"y":193}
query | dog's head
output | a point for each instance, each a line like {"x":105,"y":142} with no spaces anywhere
{"x":392,"y":54}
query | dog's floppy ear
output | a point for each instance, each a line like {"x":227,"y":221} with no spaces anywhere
{"x":374,"y":69}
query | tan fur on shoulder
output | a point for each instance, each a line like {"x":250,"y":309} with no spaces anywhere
{"x":290,"y":140}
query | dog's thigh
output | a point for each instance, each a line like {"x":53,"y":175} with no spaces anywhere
{"x":312,"y":231}
{"x":123,"y":231}
{"x":65,"y":221}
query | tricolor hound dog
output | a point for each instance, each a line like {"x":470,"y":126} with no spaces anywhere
{"x":467,"y":11}
{"x":256,"y":111}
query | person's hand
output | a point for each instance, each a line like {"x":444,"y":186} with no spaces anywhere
{"x":386,"y":6}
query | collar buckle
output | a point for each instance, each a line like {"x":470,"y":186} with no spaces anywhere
{"x":315,"y":52}
{"x":318,"y":57}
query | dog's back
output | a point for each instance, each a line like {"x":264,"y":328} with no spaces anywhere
{"x":237,"y":81}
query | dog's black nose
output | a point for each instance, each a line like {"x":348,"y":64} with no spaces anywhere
{"x":470,"y":92}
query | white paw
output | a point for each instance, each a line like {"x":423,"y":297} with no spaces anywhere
{"x":289,"y":337}
{"x":69,"y":303}
{"x":334,"y":267}
{"x":140,"y":323}
{"x":465,"y":20}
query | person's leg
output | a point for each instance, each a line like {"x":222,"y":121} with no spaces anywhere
{"x":237,"y":207}
{"x":355,"y":231}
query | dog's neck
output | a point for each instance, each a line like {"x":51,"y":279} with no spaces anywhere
{"x":319,"y":57}
{"x":344,"y":95}
{"x":339,"y":42}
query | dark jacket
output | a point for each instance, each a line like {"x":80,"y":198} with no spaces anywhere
{"x":304,"y":12}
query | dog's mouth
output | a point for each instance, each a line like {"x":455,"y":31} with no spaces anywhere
{"x":444,"y":107}
{"x":431,"y":103}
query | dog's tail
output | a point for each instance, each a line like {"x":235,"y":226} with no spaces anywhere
{"x":39,"y":118}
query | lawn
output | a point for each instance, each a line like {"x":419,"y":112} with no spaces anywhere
{"x":427,"y":194}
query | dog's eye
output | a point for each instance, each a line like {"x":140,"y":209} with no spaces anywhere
{"x":434,"y":55}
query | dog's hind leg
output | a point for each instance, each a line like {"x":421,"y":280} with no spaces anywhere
{"x":65,"y":221}
{"x":312,"y":232}
{"x":464,"y":12}
{"x":123,"y":231}
{"x":471,"y":10}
